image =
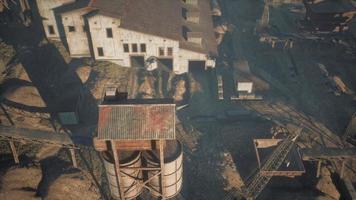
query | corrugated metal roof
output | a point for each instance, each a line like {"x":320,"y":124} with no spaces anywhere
{"x":136,"y":122}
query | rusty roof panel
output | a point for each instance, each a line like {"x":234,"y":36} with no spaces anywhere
{"x":136,"y":122}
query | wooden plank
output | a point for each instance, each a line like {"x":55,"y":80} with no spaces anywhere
{"x":14,"y":152}
{"x":117,"y":169}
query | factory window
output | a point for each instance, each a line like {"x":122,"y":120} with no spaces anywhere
{"x":50,"y":29}
{"x":169,"y":51}
{"x":161,"y":51}
{"x":109,"y":33}
{"x":71,"y":28}
{"x":143,"y":48}
{"x":100,"y":51}
{"x":134,"y":48}
{"x":126,"y":48}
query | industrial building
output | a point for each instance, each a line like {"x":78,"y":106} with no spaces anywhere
{"x":179,"y":33}
{"x":50,"y":21}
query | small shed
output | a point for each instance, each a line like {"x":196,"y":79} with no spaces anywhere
{"x":135,"y":121}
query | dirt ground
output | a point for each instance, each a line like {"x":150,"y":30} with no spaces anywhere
{"x":217,"y":135}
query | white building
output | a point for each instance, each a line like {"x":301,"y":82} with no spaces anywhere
{"x":49,"y":19}
{"x":176,"y":32}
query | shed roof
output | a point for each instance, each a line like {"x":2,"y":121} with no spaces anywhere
{"x":156,"y":17}
{"x":133,"y":120}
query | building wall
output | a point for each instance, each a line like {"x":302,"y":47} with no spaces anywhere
{"x":186,"y":55}
{"x":113,"y":48}
{"x":45,"y":9}
{"x":77,"y":40}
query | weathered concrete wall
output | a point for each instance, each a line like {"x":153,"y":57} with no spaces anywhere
{"x":77,"y":40}
{"x":45,"y":8}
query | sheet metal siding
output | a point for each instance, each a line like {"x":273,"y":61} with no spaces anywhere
{"x":137,"y":122}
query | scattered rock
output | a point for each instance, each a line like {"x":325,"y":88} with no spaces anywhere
{"x":146,"y":89}
{"x":180,"y":91}
{"x":27,"y":95}
{"x":20,"y":183}
{"x":72,"y":187}
{"x":83,"y":73}
{"x":47,"y":151}
{"x":326,"y":185}
{"x":230,"y":173}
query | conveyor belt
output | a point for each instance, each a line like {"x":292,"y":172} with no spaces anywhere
{"x":328,"y":153}
{"x":39,"y":136}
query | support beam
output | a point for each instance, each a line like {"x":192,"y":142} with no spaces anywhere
{"x":161,"y":157}
{"x":319,"y":168}
{"x":258,"y":157}
{"x":14,"y":152}
{"x":74,"y":160}
{"x":117,"y":169}
{"x":342,"y":171}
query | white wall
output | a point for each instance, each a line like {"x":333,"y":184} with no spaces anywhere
{"x":48,"y":18}
{"x":186,"y":55}
{"x":77,"y":41}
{"x":113,"y":47}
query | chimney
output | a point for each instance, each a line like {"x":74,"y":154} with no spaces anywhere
{"x":195,"y":37}
{"x":193,"y":16}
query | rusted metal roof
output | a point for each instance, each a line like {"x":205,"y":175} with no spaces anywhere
{"x":136,"y":121}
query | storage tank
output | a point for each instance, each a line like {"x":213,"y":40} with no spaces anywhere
{"x":173,"y":169}
{"x":130,"y":186}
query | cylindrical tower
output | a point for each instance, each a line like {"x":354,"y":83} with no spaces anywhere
{"x":173,"y":169}
{"x":131,"y":178}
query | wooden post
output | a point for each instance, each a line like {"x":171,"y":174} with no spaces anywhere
{"x":258,"y":156}
{"x":7,"y":115}
{"x":74,"y":160}
{"x":161,"y":157}
{"x":117,"y":169}
{"x":342,"y":169}
{"x":318,"y":169}
{"x":14,"y":152}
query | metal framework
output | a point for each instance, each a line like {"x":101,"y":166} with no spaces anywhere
{"x":13,"y":134}
{"x":159,"y":171}
{"x":259,"y":181}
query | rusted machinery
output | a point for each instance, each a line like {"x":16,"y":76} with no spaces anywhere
{"x":137,"y":141}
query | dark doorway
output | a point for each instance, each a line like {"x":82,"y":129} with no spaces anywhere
{"x":165,"y":67}
{"x":165,"y":64}
{"x":137,"y":61}
{"x":196,"y":66}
